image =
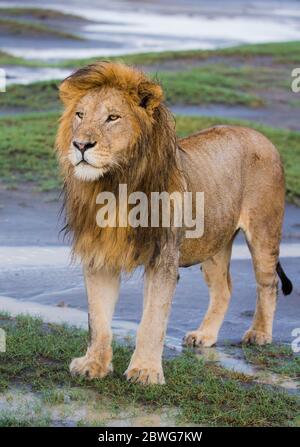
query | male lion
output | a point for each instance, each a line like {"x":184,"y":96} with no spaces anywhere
{"x":116,"y":130}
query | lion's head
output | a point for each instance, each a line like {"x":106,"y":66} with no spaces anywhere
{"x":114,"y":129}
{"x":109,"y":108}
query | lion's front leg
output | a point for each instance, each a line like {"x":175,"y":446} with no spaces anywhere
{"x":146,"y":363}
{"x":103,"y":291}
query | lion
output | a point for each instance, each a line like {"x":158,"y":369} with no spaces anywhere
{"x":116,"y":129}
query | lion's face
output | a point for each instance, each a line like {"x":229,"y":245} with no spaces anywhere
{"x":104,"y":127}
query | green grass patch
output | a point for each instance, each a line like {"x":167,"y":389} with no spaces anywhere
{"x":206,"y":85}
{"x":211,"y":84}
{"x":38,"y":13}
{"x":23,"y":28}
{"x":9,"y":59}
{"x":58,"y":396}
{"x":279,"y":359}
{"x":281,"y":52}
{"x":285,"y":53}
{"x":38,"y":355}
{"x":26,"y":148}
{"x":33,"y":97}
{"x":9,"y":419}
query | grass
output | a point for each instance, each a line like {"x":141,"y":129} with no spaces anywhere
{"x":280,"y":52}
{"x":208,"y":85}
{"x":285,"y":53}
{"x":214,"y":83}
{"x":211,"y":84}
{"x":33,"y":97}
{"x":279,"y":359}
{"x":57,"y":396}
{"x":38,"y":356}
{"x":29,"y":29}
{"x":9,"y":419}
{"x":26,"y":148}
{"x":38,"y":13}
{"x":9,"y":59}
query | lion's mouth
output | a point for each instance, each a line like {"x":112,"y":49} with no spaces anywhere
{"x":82,"y":162}
{"x":86,"y":163}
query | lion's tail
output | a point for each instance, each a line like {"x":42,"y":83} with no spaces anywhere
{"x":286,"y":283}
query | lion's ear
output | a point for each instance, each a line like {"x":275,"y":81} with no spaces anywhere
{"x":150,"y":96}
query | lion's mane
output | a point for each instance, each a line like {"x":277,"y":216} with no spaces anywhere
{"x":151,"y":164}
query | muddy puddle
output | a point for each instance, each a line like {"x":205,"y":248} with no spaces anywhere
{"x":234,"y":360}
{"x":75,"y":407}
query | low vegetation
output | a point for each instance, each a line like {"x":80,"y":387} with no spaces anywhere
{"x":7,"y":59}
{"x":26,"y":148}
{"x":38,"y":13}
{"x":210,"y":85}
{"x":38,"y":355}
{"x":30,"y":29}
{"x":206,"y":85}
{"x":33,"y":97}
{"x":282,"y":53}
{"x":279,"y":359}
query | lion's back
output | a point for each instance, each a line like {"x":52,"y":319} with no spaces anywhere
{"x":237,"y":169}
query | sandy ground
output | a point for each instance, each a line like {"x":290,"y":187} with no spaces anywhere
{"x":34,"y":267}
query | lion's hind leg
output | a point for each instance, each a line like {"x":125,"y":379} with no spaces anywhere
{"x":217,"y":276}
{"x":265,"y":253}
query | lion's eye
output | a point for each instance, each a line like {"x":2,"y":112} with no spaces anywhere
{"x":112,"y":118}
{"x":80,"y":115}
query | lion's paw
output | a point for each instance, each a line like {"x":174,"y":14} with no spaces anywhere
{"x":145,"y":376}
{"x":89,"y":367}
{"x":199,"y":338}
{"x":257,"y":337}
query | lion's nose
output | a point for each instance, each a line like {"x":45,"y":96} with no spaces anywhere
{"x":83,"y":146}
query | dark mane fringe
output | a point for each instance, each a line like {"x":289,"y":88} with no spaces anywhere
{"x":151,"y":165}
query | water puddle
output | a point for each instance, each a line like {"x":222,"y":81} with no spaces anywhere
{"x":27,"y":75}
{"x":76,"y":407}
{"x":235,"y":361}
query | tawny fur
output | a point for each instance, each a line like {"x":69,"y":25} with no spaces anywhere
{"x":240,"y":173}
